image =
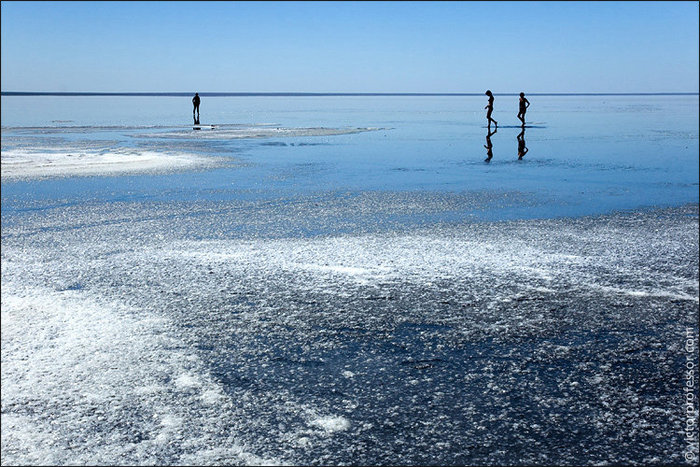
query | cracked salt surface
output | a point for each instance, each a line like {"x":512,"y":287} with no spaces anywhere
{"x":546,"y":341}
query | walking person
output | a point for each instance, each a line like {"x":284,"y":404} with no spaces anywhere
{"x":489,"y":109}
{"x":522,"y":107}
{"x":195,"y":103}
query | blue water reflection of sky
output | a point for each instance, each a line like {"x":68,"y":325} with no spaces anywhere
{"x":587,"y":155}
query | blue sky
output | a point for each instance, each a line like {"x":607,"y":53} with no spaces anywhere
{"x":350,"y":46}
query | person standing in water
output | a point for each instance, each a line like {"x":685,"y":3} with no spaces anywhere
{"x":195,"y":103}
{"x":489,"y":109}
{"x":523,"y":105}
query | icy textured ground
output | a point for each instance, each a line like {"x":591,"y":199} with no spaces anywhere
{"x":180,"y":333}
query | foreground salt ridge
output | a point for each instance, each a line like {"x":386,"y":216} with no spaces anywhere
{"x":88,"y":296}
{"x":376,"y":260}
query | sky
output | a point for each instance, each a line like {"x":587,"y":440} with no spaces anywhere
{"x":448,"y":47}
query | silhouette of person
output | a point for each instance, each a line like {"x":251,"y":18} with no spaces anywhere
{"x":489,"y":145}
{"x":522,"y":149}
{"x":195,"y":102}
{"x":489,"y":109}
{"x":522,"y":107}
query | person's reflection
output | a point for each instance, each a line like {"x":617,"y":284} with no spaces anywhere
{"x":522,"y":149}
{"x":489,"y":145}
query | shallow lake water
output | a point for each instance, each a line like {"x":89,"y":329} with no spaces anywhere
{"x":586,"y":155}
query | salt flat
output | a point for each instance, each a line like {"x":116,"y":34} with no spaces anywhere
{"x":428,"y":343}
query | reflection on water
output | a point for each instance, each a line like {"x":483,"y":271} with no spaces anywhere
{"x":489,"y":145}
{"x":522,"y":149}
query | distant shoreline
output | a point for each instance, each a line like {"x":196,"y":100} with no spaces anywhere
{"x":329,"y":94}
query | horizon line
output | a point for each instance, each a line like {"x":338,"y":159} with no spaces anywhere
{"x":331,"y":94}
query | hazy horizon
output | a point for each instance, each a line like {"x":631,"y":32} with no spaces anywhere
{"x":320,"y":94}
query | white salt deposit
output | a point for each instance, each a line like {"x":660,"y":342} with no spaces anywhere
{"x":20,"y":164}
{"x":75,"y":368}
{"x":224,"y":133}
{"x":331,"y":424}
